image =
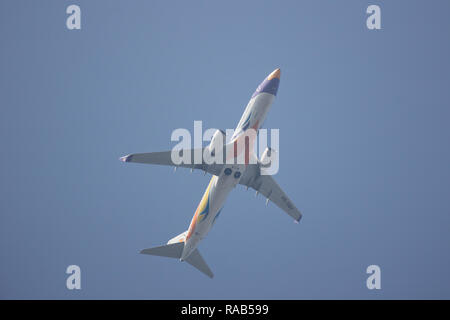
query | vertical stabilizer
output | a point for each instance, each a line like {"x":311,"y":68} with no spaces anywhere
{"x":179,"y":238}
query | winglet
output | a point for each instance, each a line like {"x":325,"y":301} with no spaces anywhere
{"x":125,"y":158}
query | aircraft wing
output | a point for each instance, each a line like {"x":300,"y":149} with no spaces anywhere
{"x":165,"y":158}
{"x":267,"y":186}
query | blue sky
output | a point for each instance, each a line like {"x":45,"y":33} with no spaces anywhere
{"x":363,"y":118}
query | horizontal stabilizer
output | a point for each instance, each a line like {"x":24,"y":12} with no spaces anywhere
{"x":196,"y":260}
{"x":174,"y":250}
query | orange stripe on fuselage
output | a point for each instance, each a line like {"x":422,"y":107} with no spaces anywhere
{"x":200,"y":207}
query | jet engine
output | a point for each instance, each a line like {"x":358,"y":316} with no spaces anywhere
{"x":214,"y":152}
{"x":269,"y":162}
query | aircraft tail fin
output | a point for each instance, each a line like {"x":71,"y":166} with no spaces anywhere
{"x":179,"y":238}
{"x":174,"y":250}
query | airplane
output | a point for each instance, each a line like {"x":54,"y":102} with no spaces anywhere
{"x":225,"y":176}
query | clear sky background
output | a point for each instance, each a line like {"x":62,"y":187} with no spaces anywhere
{"x":364,"y":147}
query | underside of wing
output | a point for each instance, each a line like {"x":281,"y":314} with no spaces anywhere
{"x":165,"y":158}
{"x":268,"y":187}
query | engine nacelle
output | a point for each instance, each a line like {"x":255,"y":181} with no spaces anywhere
{"x":218,"y":141}
{"x":214,"y":152}
{"x":269,"y":162}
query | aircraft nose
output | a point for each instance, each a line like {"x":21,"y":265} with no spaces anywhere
{"x":275,"y":74}
{"x":270,"y":84}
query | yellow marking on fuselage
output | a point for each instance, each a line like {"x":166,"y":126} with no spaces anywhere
{"x":200,"y":208}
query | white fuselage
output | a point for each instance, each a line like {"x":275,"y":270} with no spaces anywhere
{"x":221,"y":185}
